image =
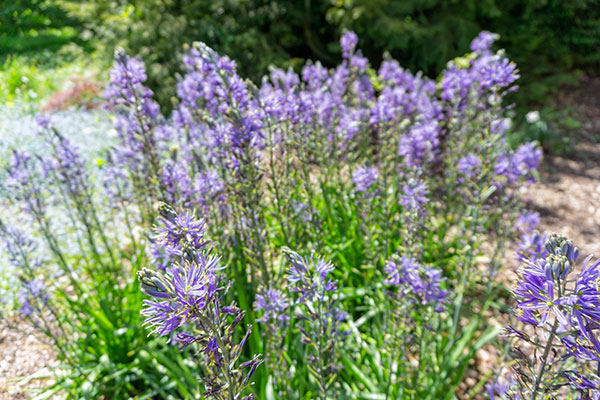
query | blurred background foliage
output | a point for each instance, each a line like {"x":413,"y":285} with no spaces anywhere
{"x":552,"y":41}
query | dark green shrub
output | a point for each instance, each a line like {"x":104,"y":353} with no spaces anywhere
{"x":33,"y":25}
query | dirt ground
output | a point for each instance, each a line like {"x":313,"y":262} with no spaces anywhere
{"x":568,"y":194}
{"x":567,"y":198}
{"x":22,"y":355}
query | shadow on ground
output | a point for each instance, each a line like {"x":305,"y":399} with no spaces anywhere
{"x":568,"y":194}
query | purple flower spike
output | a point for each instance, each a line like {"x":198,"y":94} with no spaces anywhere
{"x":469,"y":165}
{"x":187,"y":305}
{"x":274,"y":304}
{"x":364,"y":178}
{"x":320,"y":317}
{"x":348,"y":42}
{"x":483,"y":42}
{"x":419,"y":283}
{"x":566,"y":311}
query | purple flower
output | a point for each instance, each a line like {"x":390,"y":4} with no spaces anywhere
{"x":19,"y":248}
{"x":541,"y":292}
{"x":521,"y":164}
{"x":483,"y":42}
{"x":25,"y":183}
{"x":456,"y":83}
{"x":536,"y":294}
{"x":186,"y":289}
{"x":581,"y":349}
{"x":43,"y":121}
{"x":498,"y":389}
{"x":187,"y":305}
{"x":323,"y":268}
{"x":62,"y":161}
{"x":359,"y":62}
{"x":364,"y":178}
{"x":319,"y":318}
{"x":217,"y":107}
{"x":126,"y":85}
{"x":309,"y":277}
{"x":348,"y":42}
{"x":420,"y":145}
{"x":414,"y":196}
{"x":21,"y":251}
{"x":179,"y":231}
{"x":137,"y":120}
{"x":532,"y":246}
{"x":208,"y":188}
{"x":585,"y":301}
{"x":32,"y":296}
{"x":499,"y":74}
{"x":525,"y":159}
{"x":580,"y":382}
{"x":420,"y":283}
{"x":528,"y":221}
{"x":469,"y":165}
{"x":274,"y":304}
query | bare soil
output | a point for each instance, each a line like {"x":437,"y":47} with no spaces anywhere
{"x":568,"y":193}
{"x":24,"y":361}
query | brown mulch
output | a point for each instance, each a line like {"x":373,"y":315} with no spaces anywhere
{"x":22,"y":355}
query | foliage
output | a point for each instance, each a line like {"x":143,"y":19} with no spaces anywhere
{"x":257,"y":32}
{"x":82,"y":296}
{"x":42,"y":45}
{"x":35,"y":25}
{"x":548,"y":39}
{"x":553,"y":128}
{"x":30,"y":81}
{"x":405,"y":187}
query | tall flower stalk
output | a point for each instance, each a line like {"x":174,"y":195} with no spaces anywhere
{"x":560,"y":320}
{"x":188,"y":305}
{"x":320,"y":317}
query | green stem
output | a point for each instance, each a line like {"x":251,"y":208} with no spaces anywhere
{"x":225,"y":366}
{"x":540,"y":374}
{"x":321,"y":366}
{"x":418,"y":372}
{"x":466,"y":271}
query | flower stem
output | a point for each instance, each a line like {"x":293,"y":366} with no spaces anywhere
{"x":540,"y":373}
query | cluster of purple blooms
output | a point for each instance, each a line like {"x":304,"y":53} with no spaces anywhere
{"x":214,"y":154}
{"x":364,"y":178}
{"x":563,"y":311}
{"x":21,"y":251}
{"x":62,"y":161}
{"x":486,"y":72}
{"x":414,"y":196}
{"x":532,"y":243}
{"x":23,"y":182}
{"x":469,"y":165}
{"x":187,"y":305}
{"x":138,"y":123}
{"x":319,"y":317}
{"x":274,"y":303}
{"x":421,"y":284}
{"x":520,"y":165}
